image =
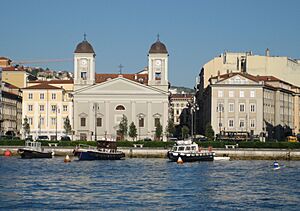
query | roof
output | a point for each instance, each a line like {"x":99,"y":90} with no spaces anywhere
{"x":158,"y":47}
{"x":42,"y":86}
{"x":84,"y":47}
{"x":54,"y":81}
{"x":182,"y":96}
{"x":140,"y":78}
{"x":12,"y":68}
{"x":4,"y":58}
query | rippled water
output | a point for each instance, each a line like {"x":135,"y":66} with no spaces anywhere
{"x":147,"y":184}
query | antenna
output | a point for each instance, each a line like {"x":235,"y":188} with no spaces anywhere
{"x":120,"y":66}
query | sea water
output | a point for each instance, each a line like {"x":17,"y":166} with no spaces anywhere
{"x":147,"y":184}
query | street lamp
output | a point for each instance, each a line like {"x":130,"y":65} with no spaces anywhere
{"x":140,"y":117}
{"x":56,"y":111}
{"x":193,"y":108}
{"x":95,"y":108}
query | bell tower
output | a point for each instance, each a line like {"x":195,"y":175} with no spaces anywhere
{"x":158,"y":66}
{"x":84,"y":65}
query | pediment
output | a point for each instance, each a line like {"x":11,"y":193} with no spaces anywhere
{"x":238,"y":80}
{"x":120,"y":86}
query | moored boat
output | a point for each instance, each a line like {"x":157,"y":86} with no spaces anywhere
{"x":34,"y":149}
{"x":105,"y":150}
{"x":189,"y":151}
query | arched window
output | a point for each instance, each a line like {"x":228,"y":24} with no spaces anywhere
{"x":120,"y":108}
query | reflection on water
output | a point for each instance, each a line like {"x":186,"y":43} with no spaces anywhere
{"x":147,"y":184}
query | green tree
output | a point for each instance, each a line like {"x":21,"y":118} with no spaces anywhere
{"x":132,"y":131}
{"x":26,"y":127}
{"x":123,"y":127}
{"x":158,"y":131}
{"x":209,"y":132}
{"x":185,"y":131}
{"x":170,"y":128}
{"x":67,"y":126}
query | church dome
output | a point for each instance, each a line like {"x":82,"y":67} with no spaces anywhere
{"x":158,"y":47}
{"x":84,"y":47}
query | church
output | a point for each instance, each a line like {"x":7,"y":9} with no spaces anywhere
{"x":101,"y":100}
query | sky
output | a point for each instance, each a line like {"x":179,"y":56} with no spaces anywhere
{"x":122,"y":31}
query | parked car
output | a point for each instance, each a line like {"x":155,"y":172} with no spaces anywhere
{"x":65,"y":138}
{"x":43,"y":138}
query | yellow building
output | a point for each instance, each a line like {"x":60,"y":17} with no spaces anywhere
{"x":17,"y":76}
{"x":47,"y":104}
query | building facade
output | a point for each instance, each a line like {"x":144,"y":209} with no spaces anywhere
{"x":101,"y":100}
{"x":46,"y":105}
{"x":259,"y":105}
{"x":10,"y":109}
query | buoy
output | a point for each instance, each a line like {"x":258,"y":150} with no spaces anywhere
{"x":276,"y":165}
{"x":179,"y":160}
{"x":67,"y":159}
{"x":7,"y":153}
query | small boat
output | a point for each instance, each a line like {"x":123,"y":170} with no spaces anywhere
{"x":105,"y":150}
{"x":189,"y":151}
{"x":34,"y":149}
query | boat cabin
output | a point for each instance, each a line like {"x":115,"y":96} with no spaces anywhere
{"x":185,"y":146}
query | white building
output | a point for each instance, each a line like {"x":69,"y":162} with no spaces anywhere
{"x":101,"y":100}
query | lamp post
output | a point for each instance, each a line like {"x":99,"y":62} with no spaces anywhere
{"x":95,"y":107}
{"x":140,"y":118}
{"x":56,"y":111}
{"x":193,"y":108}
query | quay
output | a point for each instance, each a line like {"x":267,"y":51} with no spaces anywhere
{"x":233,"y":153}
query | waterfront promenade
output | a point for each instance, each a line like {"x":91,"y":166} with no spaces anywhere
{"x":234,"y":154}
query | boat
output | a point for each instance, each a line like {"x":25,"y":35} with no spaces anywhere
{"x":221,"y":158}
{"x":34,"y":149}
{"x":105,"y":150}
{"x":189,"y":151}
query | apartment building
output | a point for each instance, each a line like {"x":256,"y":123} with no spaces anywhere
{"x":179,"y":103}
{"x":261,"y":105}
{"x":46,"y":105}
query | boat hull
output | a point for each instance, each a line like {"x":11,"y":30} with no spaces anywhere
{"x":29,"y":154}
{"x":191,"y":157}
{"x":97,"y":155}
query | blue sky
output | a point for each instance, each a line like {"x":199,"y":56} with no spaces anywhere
{"x":122,"y":31}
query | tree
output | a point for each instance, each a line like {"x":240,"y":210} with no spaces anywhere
{"x":158,"y":131}
{"x":185,"y":131}
{"x":209,"y":132}
{"x":170,"y":128}
{"x":123,"y":127}
{"x":26,"y":127}
{"x":132,"y":131}
{"x":67,"y":126}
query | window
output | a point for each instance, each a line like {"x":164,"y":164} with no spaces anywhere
{"x":30,"y":120}
{"x":42,"y":96}
{"x":252,"y":93}
{"x":82,"y":122}
{"x":83,"y":75}
{"x":230,"y":123}
{"x":30,"y":96}
{"x":157,"y":76}
{"x":156,"y":122}
{"x":177,"y":111}
{"x":231,"y":93}
{"x":252,"y":123}
{"x":53,"y":108}
{"x":231,"y":107}
{"x":220,"y":124}
{"x":65,"y":108}
{"x":242,"y":94}
{"x":42,"y":107}
{"x":53,"y":121}
{"x":252,"y":108}
{"x":99,"y":122}
{"x":220,"y":93}
{"x":120,"y":108}
{"x":141,"y":122}
{"x":29,"y":107}
{"x":242,"y":123}
{"x":53,"y":96}
{"x":242,"y":107}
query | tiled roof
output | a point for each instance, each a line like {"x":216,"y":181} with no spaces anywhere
{"x":140,"y":78}
{"x":182,"y":96}
{"x":54,"y":82}
{"x":42,"y":86}
{"x":12,"y":68}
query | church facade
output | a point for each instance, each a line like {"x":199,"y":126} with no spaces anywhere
{"x":101,"y":100}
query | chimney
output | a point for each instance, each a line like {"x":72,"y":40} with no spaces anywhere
{"x":219,"y":75}
{"x":267,"y":52}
